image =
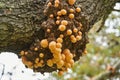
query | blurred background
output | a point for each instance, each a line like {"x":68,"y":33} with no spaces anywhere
{"x":102,"y":62}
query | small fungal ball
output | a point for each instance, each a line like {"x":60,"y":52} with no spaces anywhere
{"x":71,"y":10}
{"x":68,"y":65}
{"x":48,"y":30}
{"x":72,"y":62}
{"x":80,"y":33}
{"x":78,"y":9}
{"x":62,"y":27}
{"x":63,"y":56}
{"x":49,"y":4}
{"x":60,"y":73}
{"x":56,"y":5}
{"x":63,"y":12}
{"x":58,"y":51}
{"x":59,"y":40}
{"x":75,"y":30}
{"x":36,"y":60}
{"x":41,"y":55}
{"x":69,"y":32}
{"x":35,"y":49}
{"x":78,"y":38}
{"x":51,"y":15}
{"x":73,"y":40}
{"x":59,"y":13}
{"x":64,"y":22}
{"x":61,"y":35}
{"x":44,"y":43}
{"x":71,"y":16}
{"x":58,"y":17}
{"x":57,"y":22}
{"x":50,"y":63}
{"x":52,"y":45}
{"x":58,"y":45}
{"x":71,"y":2}
{"x":22,"y":53}
{"x":60,"y":64}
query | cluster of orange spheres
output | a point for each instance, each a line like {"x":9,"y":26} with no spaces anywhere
{"x":62,"y":57}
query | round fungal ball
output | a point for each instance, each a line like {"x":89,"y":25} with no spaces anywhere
{"x":59,"y":40}
{"x":68,"y":65}
{"x":64,"y":22}
{"x":22,"y":53}
{"x":41,"y":55}
{"x":49,"y":4}
{"x":71,"y":2}
{"x":58,"y":22}
{"x":58,"y":17}
{"x":71,"y":10}
{"x":56,"y":5}
{"x":52,"y":45}
{"x":78,"y":38}
{"x":73,"y":40}
{"x":60,"y":73}
{"x":59,"y":13}
{"x":57,"y":51}
{"x":50,"y":63}
{"x":35,"y":49}
{"x":63,"y":12}
{"x":48,"y":30}
{"x":66,"y":51}
{"x":51,"y":15}
{"x":61,"y":35}
{"x":78,"y":9}
{"x":44,"y":43}
{"x":71,"y":62}
{"x":69,"y":32}
{"x":58,"y":45}
{"x":75,"y":30}
{"x":60,"y":64}
{"x":62,"y":27}
{"x":71,"y":16}
{"x":63,"y":56}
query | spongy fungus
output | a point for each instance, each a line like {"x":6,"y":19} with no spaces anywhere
{"x":64,"y":40}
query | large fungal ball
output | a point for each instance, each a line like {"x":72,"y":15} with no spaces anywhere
{"x":44,"y":43}
{"x":71,"y":2}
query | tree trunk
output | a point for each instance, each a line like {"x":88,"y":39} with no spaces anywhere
{"x":21,"y":22}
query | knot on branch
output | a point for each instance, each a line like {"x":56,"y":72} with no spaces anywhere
{"x":64,"y":38}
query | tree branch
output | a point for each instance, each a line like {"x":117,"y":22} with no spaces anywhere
{"x":107,"y":73}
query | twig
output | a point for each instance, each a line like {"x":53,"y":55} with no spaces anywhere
{"x":107,"y":73}
{"x":2,"y":70}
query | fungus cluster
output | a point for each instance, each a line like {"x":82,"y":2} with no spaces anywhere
{"x":63,"y":42}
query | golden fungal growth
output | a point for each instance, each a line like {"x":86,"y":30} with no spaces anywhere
{"x":62,"y":27}
{"x":71,"y":10}
{"x":50,"y":63}
{"x":73,"y":40}
{"x":85,"y":51}
{"x":58,"y":22}
{"x":51,"y":15}
{"x":35,"y":49}
{"x":80,"y":33}
{"x":66,"y":51}
{"x":68,"y":65}
{"x":78,"y":9}
{"x":41,"y":55}
{"x":61,"y":35}
{"x":72,"y":37}
{"x":52,"y":45}
{"x":60,"y":73}
{"x":56,"y":5}
{"x":57,"y":51}
{"x":59,"y":13}
{"x":22,"y":53}
{"x":69,"y":32}
{"x":63,"y":12}
{"x":49,"y":4}
{"x":26,"y":53}
{"x":58,"y":45}
{"x":71,"y":62}
{"x":36,"y":60}
{"x":64,"y":22}
{"x":60,"y":64}
{"x":78,"y":37}
{"x":59,"y":40}
{"x":44,"y":43}
{"x":75,"y":30}
{"x":71,"y":2}
{"x":68,"y":57}
{"x":71,"y":16}
{"x":63,"y":56}
{"x":48,"y":30}
{"x":58,"y":17}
